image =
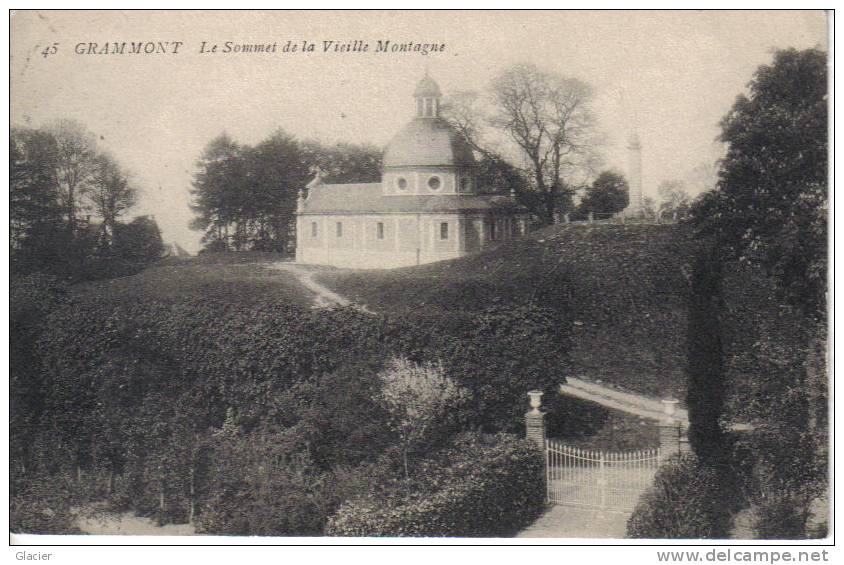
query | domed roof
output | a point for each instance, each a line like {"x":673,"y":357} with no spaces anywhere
{"x":428,"y":142}
{"x":427,"y":88}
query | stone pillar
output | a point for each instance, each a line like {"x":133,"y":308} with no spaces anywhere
{"x":567,"y":217}
{"x":670,"y":431}
{"x":535,"y":420}
{"x":591,"y":217}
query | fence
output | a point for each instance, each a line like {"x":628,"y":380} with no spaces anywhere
{"x":619,"y":218}
{"x":598,"y":479}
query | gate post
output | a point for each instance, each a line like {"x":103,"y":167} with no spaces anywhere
{"x":602,"y":479}
{"x":670,"y":431}
{"x":535,"y":420}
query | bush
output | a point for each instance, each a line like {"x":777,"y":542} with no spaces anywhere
{"x":481,"y":486}
{"x":686,"y":501}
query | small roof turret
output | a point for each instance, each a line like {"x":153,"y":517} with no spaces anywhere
{"x":427,"y":88}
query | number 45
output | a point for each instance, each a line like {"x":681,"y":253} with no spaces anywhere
{"x":50,"y":50}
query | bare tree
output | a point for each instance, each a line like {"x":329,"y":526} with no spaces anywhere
{"x":111,"y":195}
{"x":548,"y":118}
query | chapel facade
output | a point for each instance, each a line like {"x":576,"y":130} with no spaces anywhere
{"x":426,"y":208}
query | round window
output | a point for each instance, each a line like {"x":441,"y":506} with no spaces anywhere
{"x":434,"y":183}
{"x":401,"y":183}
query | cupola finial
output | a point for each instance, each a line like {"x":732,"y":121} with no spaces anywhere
{"x":427,"y":95}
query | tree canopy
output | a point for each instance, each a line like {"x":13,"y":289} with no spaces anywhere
{"x":67,"y":196}
{"x":245,"y":196}
{"x":770,"y":204}
{"x":608,"y":194}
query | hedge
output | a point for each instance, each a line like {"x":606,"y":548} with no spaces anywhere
{"x":686,"y":501}
{"x":482,"y":486}
{"x":132,"y":392}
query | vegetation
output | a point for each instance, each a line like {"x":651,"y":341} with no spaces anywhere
{"x":674,"y":201}
{"x":769,"y":207}
{"x":546,"y":124}
{"x":686,"y":501}
{"x":608,"y":194}
{"x":621,"y":290}
{"x":249,"y":415}
{"x":245,"y":197}
{"x":420,"y":401}
{"x":57,"y":174}
{"x":479,"y":487}
{"x":775,"y":364}
{"x":765,"y":226}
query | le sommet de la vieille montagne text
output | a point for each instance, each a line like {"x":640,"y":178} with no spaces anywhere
{"x":328,"y":46}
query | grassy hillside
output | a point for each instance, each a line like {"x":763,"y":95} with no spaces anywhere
{"x":241,"y":278}
{"x":622,"y":286}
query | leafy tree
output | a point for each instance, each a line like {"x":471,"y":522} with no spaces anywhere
{"x":56,"y":173}
{"x":245,"y":197}
{"x":32,"y":192}
{"x":344,"y":162}
{"x":419,"y":399}
{"x":768,"y":212}
{"x":608,"y":194}
{"x":217,"y":188}
{"x":111,"y":195}
{"x":37,"y":239}
{"x":769,"y":207}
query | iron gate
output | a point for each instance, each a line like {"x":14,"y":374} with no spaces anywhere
{"x":598,"y":479}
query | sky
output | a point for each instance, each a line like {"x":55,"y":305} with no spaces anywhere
{"x":669,"y":76}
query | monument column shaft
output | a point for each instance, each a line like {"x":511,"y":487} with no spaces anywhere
{"x":634,"y":173}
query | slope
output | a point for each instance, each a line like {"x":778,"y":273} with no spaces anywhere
{"x":622,"y":286}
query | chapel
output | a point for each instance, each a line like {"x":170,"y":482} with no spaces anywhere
{"x":428,"y":206}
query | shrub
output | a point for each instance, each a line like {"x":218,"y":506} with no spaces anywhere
{"x":421,"y":402}
{"x":686,"y":501}
{"x":258,"y":487}
{"x":482,"y":486}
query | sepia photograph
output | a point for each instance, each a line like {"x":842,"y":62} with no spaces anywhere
{"x":370,"y":275}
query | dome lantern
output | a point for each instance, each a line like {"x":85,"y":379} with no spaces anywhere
{"x":427,"y":95}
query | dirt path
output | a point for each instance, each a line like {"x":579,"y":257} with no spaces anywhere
{"x":571,"y":523}
{"x":324,"y":297}
{"x":635,"y":404}
{"x":110,"y":524}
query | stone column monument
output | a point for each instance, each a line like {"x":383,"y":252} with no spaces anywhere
{"x":634,"y":177}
